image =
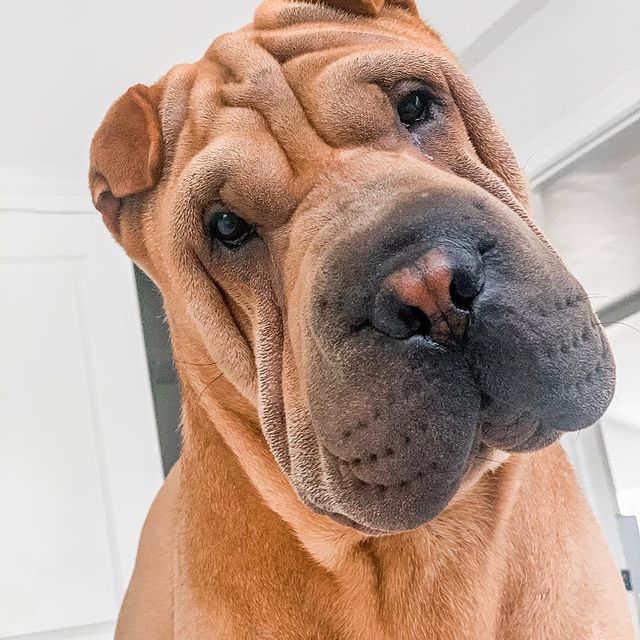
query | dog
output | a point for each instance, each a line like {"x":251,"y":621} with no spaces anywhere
{"x":378,"y":350}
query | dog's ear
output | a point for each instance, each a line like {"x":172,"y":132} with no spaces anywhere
{"x":126,"y":152}
{"x":369,"y":7}
{"x":485,"y":135}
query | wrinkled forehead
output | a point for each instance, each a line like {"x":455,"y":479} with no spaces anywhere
{"x":300,"y":82}
{"x":295,"y":50}
{"x":290,"y":29}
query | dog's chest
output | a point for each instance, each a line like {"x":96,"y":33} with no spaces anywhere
{"x":306,"y":615}
{"x":280,"y":594}
{"x":241,"y":573}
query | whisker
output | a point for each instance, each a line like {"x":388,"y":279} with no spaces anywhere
{"x":207,"y":386}
{"x":196,"y":364}
{"x":624,"y":324}
{"x":487,"y":459}
{"x":529,"y":159}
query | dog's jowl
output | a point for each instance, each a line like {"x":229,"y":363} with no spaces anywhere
{"x":378,"y":350}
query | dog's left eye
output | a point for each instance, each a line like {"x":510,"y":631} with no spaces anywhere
{"x":230,"y":229}
{"x":415,"y":108}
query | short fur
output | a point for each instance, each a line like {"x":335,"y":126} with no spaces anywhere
{"x":337,"y":481}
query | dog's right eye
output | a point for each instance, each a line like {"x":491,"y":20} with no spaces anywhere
{"x":231,"y":230}
{"x":414,"y":108}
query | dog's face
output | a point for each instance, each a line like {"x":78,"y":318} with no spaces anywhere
{"x":330,"y":204}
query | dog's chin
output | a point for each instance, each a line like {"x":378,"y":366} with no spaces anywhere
{"x":384,"y":517}
{"x":363,"y":498}
{"x":482,"y":459}
{"x":376,"y":509}
{"x":386,"y":466}
{"x":489,"y":450}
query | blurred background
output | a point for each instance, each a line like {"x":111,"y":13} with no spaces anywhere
{"x":89,"y":402}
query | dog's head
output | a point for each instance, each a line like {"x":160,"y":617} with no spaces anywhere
{"x":332,"y":206}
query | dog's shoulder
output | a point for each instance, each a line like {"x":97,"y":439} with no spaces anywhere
{"x":147,"y":610}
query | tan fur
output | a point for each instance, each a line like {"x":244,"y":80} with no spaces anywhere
{"x":498,"y":564}
{"x":229,"y":550}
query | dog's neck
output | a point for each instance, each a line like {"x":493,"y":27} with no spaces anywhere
{"x":210,"y":401}
{"x":390,"y":577}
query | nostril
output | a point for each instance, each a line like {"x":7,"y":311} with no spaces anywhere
{"x":463,"y":293}
{"x":414,"y":320}
{"x":423,"y":322}
{"x":466,"y":285}
{"x":396,"y":318}
{"x":409,"y":317}
{"x":459,"y":299}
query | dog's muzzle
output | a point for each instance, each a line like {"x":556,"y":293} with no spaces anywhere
{"x":453,"y":330}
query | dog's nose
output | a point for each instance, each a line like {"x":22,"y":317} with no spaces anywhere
{"x":433,"y":296}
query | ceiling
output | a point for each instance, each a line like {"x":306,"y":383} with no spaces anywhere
{"x":63,"y":63}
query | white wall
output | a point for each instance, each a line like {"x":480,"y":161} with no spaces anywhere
{"x":622,"y":423}
{"x":63,"y":63}
{"x":79,"y":456}
{"x":461,"y":23}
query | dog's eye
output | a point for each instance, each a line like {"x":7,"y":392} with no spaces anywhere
{"x":415,"y":108}
{"x":230,"y":229}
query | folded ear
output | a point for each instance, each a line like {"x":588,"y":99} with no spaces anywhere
{"x":126,"y":152}
{"x":485,"y":135}
{"x":369,"y":7}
